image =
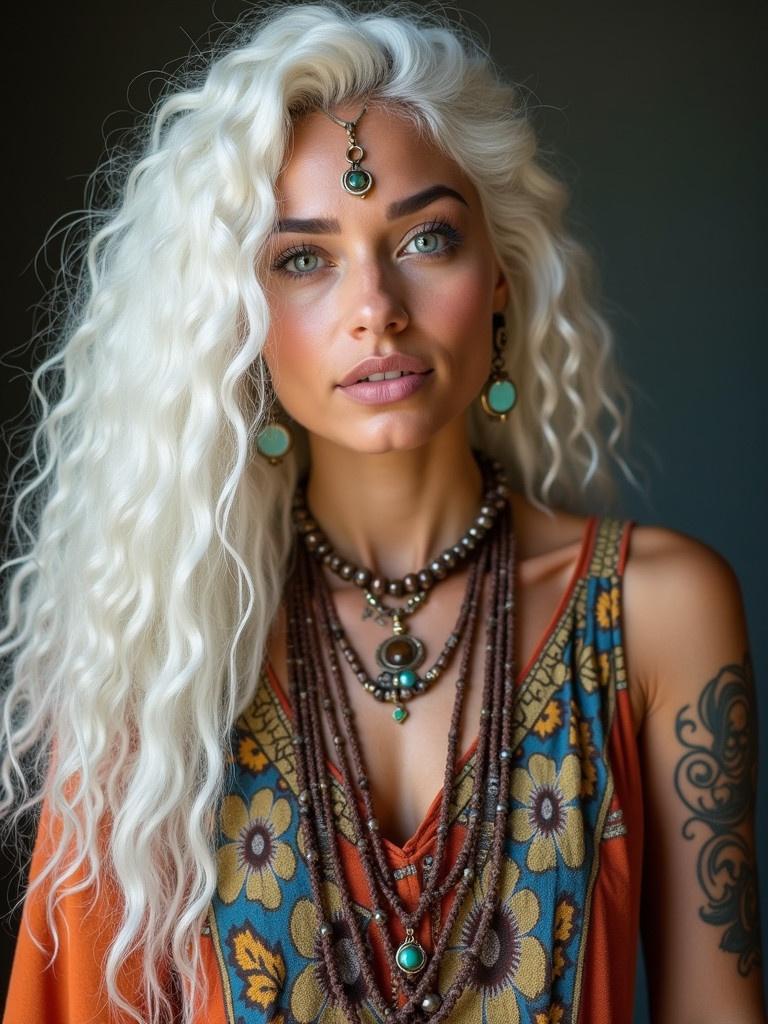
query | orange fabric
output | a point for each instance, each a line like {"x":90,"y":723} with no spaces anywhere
{"x":65,"y":991}
{"x":71,"y":990}
{"x":609,"y":979}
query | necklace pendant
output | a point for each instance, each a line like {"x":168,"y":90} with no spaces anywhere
{"x":399,"y":656}
{"x":410,"y":956}
{"x":400,"y":714}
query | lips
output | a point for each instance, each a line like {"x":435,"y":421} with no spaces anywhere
{"x":382,"y":392}
{"x":384,"y":364}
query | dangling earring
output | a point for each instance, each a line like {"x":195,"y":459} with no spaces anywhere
{"x":499,"y":395}
{"x":274,"y":441}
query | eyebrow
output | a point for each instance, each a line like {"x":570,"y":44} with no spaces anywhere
{"x":399,"y":208}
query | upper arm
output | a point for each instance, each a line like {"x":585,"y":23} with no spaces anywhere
{"x":688,"y":649}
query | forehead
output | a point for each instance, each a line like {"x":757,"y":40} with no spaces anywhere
{"x":401,"y":159}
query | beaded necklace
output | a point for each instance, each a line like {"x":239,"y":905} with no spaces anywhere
{"x":401,"y":654}
{"x":314,"y":632}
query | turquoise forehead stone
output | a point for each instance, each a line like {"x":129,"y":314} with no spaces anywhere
{"x":407,"y":679}
{"x":273,"y":440}
{"x":357,"y":179}
{"x":410,"y":957}
{"x":502,"y":395}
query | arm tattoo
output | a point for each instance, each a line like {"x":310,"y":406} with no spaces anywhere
{"x":716,"y":780}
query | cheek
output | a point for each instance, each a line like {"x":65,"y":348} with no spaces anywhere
{"x":460,"y":314}
{"x":287,"y":343}
{"x":293,"y":353}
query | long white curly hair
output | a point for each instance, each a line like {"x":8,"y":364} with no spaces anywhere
{"x":149,"y":542}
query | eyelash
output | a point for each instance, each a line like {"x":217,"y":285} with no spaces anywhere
{"x":438,"y":227}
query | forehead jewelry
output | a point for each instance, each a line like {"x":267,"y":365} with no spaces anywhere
{"x":356,"y":179}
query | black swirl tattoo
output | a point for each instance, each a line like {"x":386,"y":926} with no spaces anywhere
{"x":717,"y":780}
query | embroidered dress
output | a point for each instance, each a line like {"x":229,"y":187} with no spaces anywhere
{"x":562,"y":945}
{"x":563,"y":942}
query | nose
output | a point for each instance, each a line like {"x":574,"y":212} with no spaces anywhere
{"x":376,"y":304}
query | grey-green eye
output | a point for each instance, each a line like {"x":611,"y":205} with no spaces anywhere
{"x":302,"y":257}
{"x":425,"y":242}
{"x":307,"y":263}
{"x":304,"y":261}
{"x":428,"y":240}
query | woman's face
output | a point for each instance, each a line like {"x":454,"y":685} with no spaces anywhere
{"x":407,"y":270}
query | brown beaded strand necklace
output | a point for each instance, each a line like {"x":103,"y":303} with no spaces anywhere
{"x":329,"y":626}
{"x":378,"y":872}
{"x":310,"y":692}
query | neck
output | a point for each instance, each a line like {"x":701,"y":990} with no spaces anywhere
{"x":395,"y":511}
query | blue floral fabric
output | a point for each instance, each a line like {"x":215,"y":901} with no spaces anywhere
{"x":264,"y":921}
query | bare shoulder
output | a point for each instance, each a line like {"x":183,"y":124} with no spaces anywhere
{"x":678,"y":593}
{"x":687,"y":645}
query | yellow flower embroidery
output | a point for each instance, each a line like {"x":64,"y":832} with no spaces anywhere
{"x":256,"y":856}
{"x":580,"y":737}
{"x":311,"y":995}
{"x":607,"y":607}
{"x":549,"y":720}
{"x":512,"y":962}
{"x":564,"y":920}
{"x":604,"y":662}
{"x":566,"y":912}
{"x":250,"y":755}
{"x":554,"y":1015}
{"x":259,"y":966}
{"x":549,"y":816}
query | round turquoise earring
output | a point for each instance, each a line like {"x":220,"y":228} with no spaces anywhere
{"x":274,"y":441}
{"x":499,"y":395}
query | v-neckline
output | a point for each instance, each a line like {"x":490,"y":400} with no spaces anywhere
{"x":423,"y":834}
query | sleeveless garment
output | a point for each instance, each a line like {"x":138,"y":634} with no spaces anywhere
{"x":563,"y":942}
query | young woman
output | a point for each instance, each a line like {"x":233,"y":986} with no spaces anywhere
{"x":343,"y":693}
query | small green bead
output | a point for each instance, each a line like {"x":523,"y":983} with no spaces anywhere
{"x":399,"y":714}
{"x":502,"y":396}
{"x":406,"y":679}
{"x":410,"y":957}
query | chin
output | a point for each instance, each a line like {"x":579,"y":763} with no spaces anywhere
{"x":391,"y":432}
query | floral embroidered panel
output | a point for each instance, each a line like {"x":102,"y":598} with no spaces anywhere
{"x":264,"y":923}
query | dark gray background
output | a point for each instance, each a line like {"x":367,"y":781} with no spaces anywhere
{"x":653,"y":116}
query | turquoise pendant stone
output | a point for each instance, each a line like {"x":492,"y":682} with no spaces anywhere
{"x":399,"y":714}
{"x":357,"y":181}
{"x":407,"y":679}
{"x":502,"y":396}
{"x":410,"y":957}
{"x":273,"y":441}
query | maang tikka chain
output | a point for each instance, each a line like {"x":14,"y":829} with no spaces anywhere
{"x":356,"y":180}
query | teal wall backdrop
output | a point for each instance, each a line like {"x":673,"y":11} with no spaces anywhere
{"x":653,"y":114}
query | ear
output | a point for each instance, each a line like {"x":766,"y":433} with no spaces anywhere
{"x":500,"y":290}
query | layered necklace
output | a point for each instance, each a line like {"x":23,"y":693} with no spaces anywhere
{"x":315,"y":633}
{"x":401,"y":655}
